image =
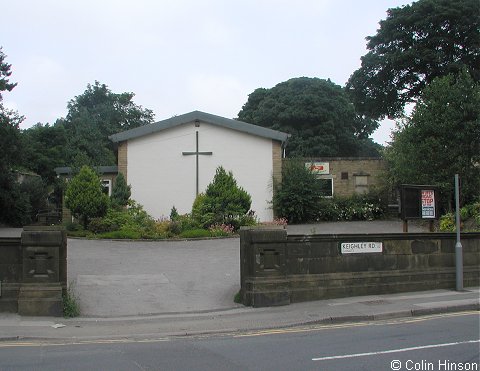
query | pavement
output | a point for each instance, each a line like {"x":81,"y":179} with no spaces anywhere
{"x":151,"y":290}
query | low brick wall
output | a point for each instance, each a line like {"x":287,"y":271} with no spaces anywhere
{"x":279,"y":269}
{"x":33,"y":272}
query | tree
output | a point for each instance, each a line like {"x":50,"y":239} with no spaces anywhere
{"x":224,"y":201}
{"x":44,"y":149}
{"x":14,"y":205}
{"x":121,"y":191}
{"x":84,"y":196}
{"x":413,"y":46}
{"x":441,"y":138}
{"x":297,"y":196}
{"x":5,"y":73}
{"x":93,"y":116}
{"x":36,"y":191}
{"x":316,"y":112}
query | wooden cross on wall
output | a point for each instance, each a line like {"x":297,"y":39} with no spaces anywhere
{"x":197,"y":153}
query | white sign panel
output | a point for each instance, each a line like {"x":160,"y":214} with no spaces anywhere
{"x":361,"y":247}
{"x":428,"y":204}
{"x":319,"y":168}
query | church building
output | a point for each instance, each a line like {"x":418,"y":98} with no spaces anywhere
{"x":169,"y":162}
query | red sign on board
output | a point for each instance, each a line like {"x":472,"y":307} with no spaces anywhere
{"x":428,"y":203}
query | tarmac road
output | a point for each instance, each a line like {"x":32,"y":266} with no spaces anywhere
{"x":120,"y":278}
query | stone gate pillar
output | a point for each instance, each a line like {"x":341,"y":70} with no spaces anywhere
{"x":44,"y":254}
{"x":263,"y":273}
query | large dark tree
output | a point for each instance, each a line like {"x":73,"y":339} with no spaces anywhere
{"x":44,"y":149}
{"x":93,"y":116}
{"x":14,"y":204}
{"x":316,"y":112}
{"x":441,"y":138}
{"x":5,"y":72}
{"x":413,"y":46}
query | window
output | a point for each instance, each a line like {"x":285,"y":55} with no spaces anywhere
{"x":344,"y":175}
{"x":326,"y":185}
{"x":107,"y":186}
{"x":361,"y":184}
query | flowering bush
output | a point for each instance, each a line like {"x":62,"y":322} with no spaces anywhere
{"x":359,"y":207}
{"x":469,"y":217}
{"x":219,"y":230}
{"x":277,"y":221}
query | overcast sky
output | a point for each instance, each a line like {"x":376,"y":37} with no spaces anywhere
{"x":179,"y":55}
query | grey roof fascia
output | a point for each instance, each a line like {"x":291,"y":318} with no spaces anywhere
{"x":66,"y":170}
{"x":201,"y":116}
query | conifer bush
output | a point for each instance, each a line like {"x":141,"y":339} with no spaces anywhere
{"x":224,"y":202}
{"x":84,"y":196}
{"x":121,"y":192}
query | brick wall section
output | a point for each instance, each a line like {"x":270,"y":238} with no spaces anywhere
{"x":373,"y":168}
{"x":277,"y":160}
{"x":122,"y":159}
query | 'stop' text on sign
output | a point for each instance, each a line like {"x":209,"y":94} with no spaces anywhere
{"x":428,"y":203}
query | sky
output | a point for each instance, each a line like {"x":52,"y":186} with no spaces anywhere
{"x":178,"y":56}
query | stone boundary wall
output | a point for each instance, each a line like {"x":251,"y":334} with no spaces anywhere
{"x":33,"y":272}
{"x":279,"y":269}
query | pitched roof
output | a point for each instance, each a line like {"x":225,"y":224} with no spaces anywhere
{"x":202,"y":117}
{"x":66,"y":170}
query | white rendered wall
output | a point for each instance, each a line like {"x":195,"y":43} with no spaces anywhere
{"x":161,"y":177}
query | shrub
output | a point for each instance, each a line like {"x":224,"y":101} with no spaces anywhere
{"x":469,"y":216}
{"x":125,"y":223}
{"x":224,"y":201}
{"x":221,"y":230}
{"x":249,"y":219}
{"x":174,"y":214}
{"x":85,"y":197}
{"x":369,"y":206}
{"x":72,"y":226}
{"x":447,"y":223}
{"x":162,"y":227}
{"x":70,"y":303}
{"x":238,"y":298}
{"x":121,"y":192}
{"x":296,"y":197}
{"x":277,"y":221}
{"x":101,"y":225}
{"x":195,"y":233}
{"x":122,"y":234}
{"x":80,"y":233}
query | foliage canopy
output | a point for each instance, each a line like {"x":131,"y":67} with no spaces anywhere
{"x":316,"y":112}
{"x":5,"y":73}
{"x":92,"y":117}
{"x":441,"y":138}
{"x":15,"y":208}
{"x":413,"y":46}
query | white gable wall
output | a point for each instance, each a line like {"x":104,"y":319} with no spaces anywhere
{"x":161,"y":177}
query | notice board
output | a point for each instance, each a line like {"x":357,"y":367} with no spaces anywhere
{"x":418,"y":202}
